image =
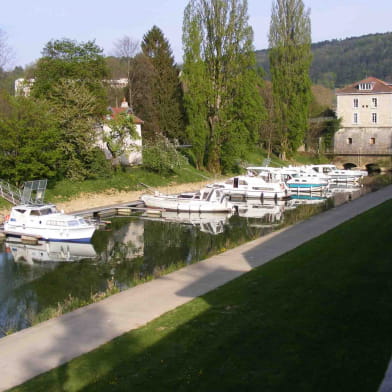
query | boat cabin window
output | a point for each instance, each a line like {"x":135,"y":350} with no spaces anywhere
{"x":242,"y":182}
{"x":20,"y":210}
{"x":73,"y":223}
{"x":56,"y":223}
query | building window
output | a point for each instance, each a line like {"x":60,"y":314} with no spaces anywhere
{"x":374,"y":102}
{"x":355,"y":102}
{"x":372,"y":140}
{"x":355,"y":118}
{"x":349,"y":140}
{"x":365,"y":86}
{"x":374,"y":118}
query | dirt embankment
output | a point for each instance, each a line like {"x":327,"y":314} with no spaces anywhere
{"x":91,"y":200}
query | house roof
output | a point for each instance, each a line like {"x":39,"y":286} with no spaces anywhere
{"x":116,"y":111}
{"x":377,"y":86}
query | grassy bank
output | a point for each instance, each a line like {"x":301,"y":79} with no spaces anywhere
{"x":316,"y":319}
{"x":122,"y":181}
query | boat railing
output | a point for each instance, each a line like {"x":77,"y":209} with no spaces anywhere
{"x":10,"y":192}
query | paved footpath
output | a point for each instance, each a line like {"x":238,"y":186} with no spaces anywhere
{"x":38,"y":349}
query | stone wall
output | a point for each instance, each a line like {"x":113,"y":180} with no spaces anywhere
{"x":362,"y":140}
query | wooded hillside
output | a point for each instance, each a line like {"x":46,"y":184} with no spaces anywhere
{"x":337,"y":63}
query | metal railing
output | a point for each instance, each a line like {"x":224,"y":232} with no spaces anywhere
{"x":33,"y":192}
{"x":10,"y":192}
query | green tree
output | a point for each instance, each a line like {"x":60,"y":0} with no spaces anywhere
{"x":7,"y":79}
{"x":74,"y":107}
{"x":70,"y":79}
{"x":161,"y":156}
{"x":119,"y":135}
{"x":165,"y":113}
{"x":222,"y":102}
{"x":30,"y":147}
{"x":143,"y":94}
{"x":290,"y":59}
{"x":68,"y":60}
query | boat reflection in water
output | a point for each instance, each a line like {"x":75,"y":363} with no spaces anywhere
{"x":307,"y":199}
{"x":47,"y":251}
{"x":211,"y":223}
{"x":270,"y":210}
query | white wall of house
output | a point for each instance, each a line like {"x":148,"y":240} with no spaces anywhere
{"x":365,"y":106}
{"x":133,"y":156}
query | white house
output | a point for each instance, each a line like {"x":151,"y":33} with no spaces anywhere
{"x":133,"y":156}
{"x":23,"y":87}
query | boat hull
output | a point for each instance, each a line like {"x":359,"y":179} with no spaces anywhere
{"x":256,"y":194}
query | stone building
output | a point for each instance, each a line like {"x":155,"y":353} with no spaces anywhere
{"x":365,"y":110}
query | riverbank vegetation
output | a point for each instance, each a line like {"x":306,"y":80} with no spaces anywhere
{"x":209,"y":113}
{"x":308,"y":320}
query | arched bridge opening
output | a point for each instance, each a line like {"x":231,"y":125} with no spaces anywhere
{"x":373,"y":168}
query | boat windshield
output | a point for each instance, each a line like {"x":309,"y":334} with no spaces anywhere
{"x":42,"y":211}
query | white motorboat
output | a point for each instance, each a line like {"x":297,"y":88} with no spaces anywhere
{"x":44,"y":221}
{"x":205,"y":200}
{"x":248,"y":187}
{"x":307,"y":182}
{"x":270,"y":174}
{"x":297,"y":178}
{"x":339,"y":175}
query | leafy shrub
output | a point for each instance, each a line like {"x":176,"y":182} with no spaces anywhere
{"x":161,"y":156}
{"x":99,"y":166}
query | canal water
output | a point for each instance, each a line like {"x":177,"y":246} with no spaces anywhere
{"x":134,"y":249}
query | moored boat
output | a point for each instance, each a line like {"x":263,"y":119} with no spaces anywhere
{"x":339,"y":175}
{"x":307,"y":182}
{"x":44,"y":221}
{"x":249,"y":187}
{"x":205,"y":200}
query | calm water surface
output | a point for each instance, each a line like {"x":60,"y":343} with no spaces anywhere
{"x":35,"y":277}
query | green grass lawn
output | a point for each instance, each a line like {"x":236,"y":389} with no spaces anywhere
{"x":127,"y":180}
{"x":318,"y":318}
{"x":122,"y":181}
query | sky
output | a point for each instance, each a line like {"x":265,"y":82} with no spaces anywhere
{"x":29,"y":25}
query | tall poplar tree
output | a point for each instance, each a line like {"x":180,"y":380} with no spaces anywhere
{"x":223,"y":106}
{"x":165,"y":114}
{"x":290,"y":59}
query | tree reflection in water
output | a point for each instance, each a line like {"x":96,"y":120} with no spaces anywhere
{"x":33,"y":278}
